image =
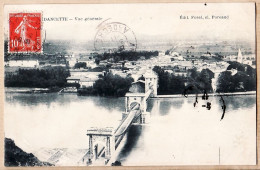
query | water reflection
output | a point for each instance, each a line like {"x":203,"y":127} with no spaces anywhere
{"x":240,"y":102}
{"x":164,"y":105}
{"x":133,"y":137}
{"x":34,"y":100}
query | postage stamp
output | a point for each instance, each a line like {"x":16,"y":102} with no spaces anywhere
{"x":115,"y":36}
{"x":25,"y":32}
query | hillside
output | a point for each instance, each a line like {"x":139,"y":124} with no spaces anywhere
{"x":14,"y":156}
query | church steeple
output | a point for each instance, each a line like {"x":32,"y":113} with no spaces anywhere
{"x":239,"y":56}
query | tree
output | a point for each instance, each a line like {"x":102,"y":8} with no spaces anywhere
{"x":97,"y":61}
{"x":243,"y":80}
{"x":80,"y":65}
{"x":200,"y":81}
{"x":141,"y":78}
{"x":109,"y":85}
{"x":239,"y":82}
{"x":168,"y":83}
{"x":205,"y":78}
{"x":236,"y":65}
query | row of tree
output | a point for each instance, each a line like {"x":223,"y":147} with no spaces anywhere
{"x":125,"y":55}
{"x":195,"y":82}
{"x":38,"y":78}
{"x":114,"y":85}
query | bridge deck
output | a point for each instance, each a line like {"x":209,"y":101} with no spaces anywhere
{"x":135,"y":111}
{"x":127,"y":122}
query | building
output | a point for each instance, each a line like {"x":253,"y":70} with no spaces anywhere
{"x":239,"y":57}
{"x":248,"y":59}
{"x":73,"y":80}
{"x":89,"y":62}
{"x":184,"y":74}
{"x":185,"y":65}
{"x":161,"y":53}
{"x":176,"y":56}
{"x":84,"y":78}
{"x":72,"y":62}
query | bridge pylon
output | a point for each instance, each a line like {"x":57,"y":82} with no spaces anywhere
{"x":101,"y":143}
{"x":137,"y":101}
{"x":151,"y":82}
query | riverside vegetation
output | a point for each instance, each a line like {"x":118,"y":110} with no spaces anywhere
{"x":114,"y":85}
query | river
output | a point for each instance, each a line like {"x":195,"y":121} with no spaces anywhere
{"x":178,"y":133}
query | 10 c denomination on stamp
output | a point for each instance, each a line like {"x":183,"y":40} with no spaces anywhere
{"x":25,"y":32}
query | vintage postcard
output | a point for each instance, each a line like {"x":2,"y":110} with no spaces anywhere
{"x":140,"y":84}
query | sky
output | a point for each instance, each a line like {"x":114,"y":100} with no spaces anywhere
{"x":147,"y":20}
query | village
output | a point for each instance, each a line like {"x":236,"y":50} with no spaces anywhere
{"x":85,"y":69}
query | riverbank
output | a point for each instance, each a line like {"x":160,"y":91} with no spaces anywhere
{"x":47,"y":90}
{"x":210,"y":94}
{"x":30,"y":90}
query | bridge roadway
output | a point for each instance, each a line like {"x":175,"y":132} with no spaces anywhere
{"x":127,"y":120}
{"x":134,"y":112}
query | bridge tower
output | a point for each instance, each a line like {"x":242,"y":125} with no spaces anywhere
{"x":135,"y":98}
{"x":151,"y":82}
{"x":139,"y":93}
{"x":97,"y":136}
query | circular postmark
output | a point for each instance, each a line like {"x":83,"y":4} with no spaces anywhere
{"x":115,"y":36}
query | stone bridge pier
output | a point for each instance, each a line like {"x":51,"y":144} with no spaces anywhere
{"x":101,"y":142}
{"x":139,"y":93}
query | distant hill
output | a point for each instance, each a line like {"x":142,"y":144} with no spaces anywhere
{"x":14,"y":156}
{"x":185,"y":46}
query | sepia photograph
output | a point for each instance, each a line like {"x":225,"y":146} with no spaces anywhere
{"x":133,"y":84}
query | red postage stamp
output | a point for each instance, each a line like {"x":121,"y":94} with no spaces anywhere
{"x":25,"y":32}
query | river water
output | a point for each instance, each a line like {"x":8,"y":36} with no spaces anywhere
{"x":178,"y":133}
